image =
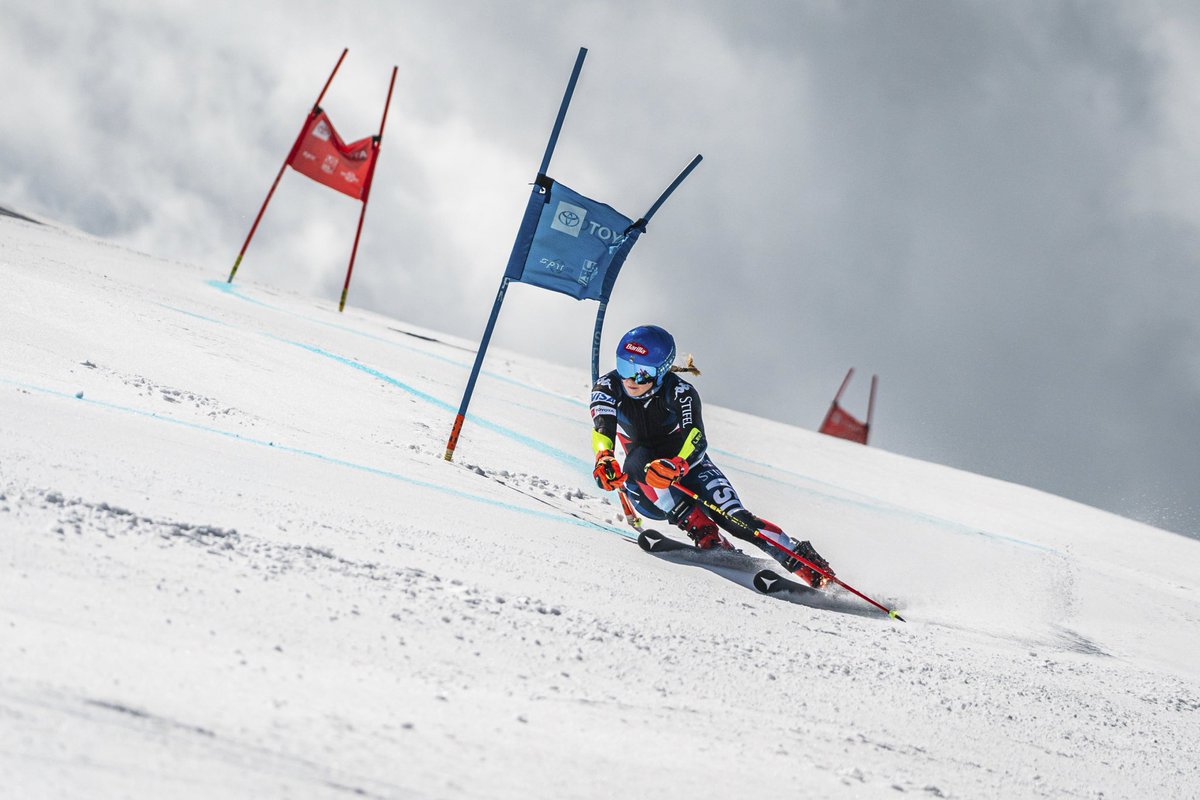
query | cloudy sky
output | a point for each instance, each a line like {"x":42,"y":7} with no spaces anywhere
{"x":994,"y":207}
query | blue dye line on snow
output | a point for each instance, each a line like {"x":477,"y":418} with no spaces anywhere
{"x":535,"y":444}
{"x":558,"y":517}
{"x":541,"y":411}
{"x":231,"y":290}
{"x":186,"y":313}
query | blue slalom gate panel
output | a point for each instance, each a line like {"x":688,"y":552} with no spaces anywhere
{"x":571,"y":244}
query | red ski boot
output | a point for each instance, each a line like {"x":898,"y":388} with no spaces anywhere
{"x":781,"y":545}
{"x":703,"y":532}
{"x":798,"y":567}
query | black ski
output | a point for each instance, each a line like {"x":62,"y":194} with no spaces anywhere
{"x":654,"y":542}
{"x":769,"y":582}
{"x":765,"y":580}
{"x":720,"y":560}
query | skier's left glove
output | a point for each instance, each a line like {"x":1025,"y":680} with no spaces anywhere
{"x":608,"y":472}
{"x":662,"y":472}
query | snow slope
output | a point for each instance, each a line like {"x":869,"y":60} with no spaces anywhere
{"x":234,"y":564}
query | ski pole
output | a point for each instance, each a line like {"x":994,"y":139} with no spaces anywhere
{"x":828,"y":575}
{"x":631,"y":516}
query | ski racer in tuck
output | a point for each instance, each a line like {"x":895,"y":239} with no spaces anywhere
{"x":659,"y":414}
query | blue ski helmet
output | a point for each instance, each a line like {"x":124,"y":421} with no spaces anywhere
{"x":646,"y":354}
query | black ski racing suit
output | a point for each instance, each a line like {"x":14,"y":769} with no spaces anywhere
{"x":664,"y":423}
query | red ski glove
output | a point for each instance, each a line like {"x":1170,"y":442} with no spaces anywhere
{"x":608,"y":472}
{"x":664,"y":471}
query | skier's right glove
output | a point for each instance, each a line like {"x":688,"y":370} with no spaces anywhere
{"x":608,"y":472}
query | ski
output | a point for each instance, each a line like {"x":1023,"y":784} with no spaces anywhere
{"x":765,"y":581}
{"x":769,"y":582}
{"x":654,"y":542}
{"x":817,"y":568}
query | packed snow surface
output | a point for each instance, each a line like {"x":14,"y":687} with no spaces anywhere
{"x":233,"y":563}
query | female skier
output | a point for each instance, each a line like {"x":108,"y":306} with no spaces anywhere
{"x":659,"y":415}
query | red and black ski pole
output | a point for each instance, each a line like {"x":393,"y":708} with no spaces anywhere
{"x":758,"y":534}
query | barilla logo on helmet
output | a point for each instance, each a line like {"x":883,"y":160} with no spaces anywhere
{"x":634,"y":347}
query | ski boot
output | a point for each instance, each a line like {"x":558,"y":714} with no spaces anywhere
{"x":703,"y":532}
{"x":785,"y":550}
{"x":807,"y":573}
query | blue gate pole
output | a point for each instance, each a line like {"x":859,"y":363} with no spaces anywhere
{"x":641,"y":225}
{"x":562,"y":111}
{"x":674,"y":185}
{"x":491,"y":325}
{"x":596,"y":340}
{"x":483,"y":345}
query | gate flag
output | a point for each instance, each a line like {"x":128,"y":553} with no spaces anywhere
{"x":844,"y":425}
{"x":571,"y":244}
{"x":840,"y":423}
{"x":323,"y":156}
{"x":320,"y":154}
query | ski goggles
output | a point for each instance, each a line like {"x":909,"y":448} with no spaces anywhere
{"x":638,"y":373}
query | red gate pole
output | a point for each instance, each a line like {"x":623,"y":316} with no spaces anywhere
{"x":842,"y":388}
{"x":291,"y":154}
{"x":871,"y":406}
{"x":834,"y":405}
{"x":378,"y":144}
